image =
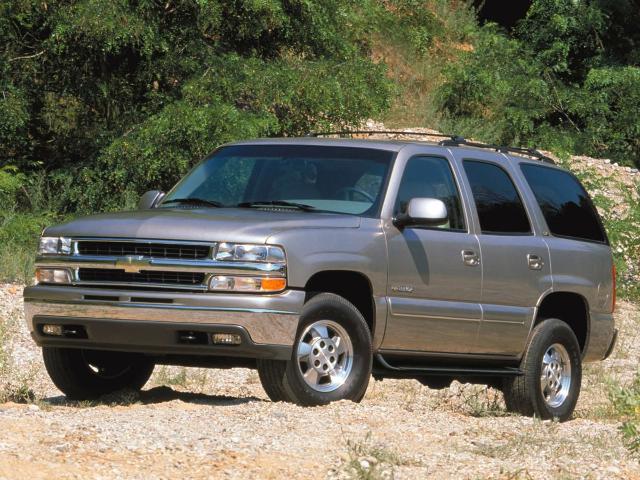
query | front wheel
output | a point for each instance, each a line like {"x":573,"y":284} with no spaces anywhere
{"x":88,"y":374}
{"x":552,"y":374}
{"x":331,"y":359}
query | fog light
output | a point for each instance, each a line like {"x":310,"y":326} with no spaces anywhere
{"x":53,"y":275}
{"x":226,"y":339}
{"x":55,"y":330}
{"x":221,"y":283}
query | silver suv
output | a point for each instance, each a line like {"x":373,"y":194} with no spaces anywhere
{"x":323,"y":261}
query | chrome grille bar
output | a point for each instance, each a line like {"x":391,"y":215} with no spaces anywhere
{"x":157,"y":264}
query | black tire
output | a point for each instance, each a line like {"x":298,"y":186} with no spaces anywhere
{"x":524,"y":394}
{"x":289,"y":384}
{"x":71,"y":371}
{"x":271,"y":373}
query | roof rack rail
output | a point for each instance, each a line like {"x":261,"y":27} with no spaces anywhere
{"x":532,"y":152}
{"x":454,"y":138}
{"x":451,"y":141}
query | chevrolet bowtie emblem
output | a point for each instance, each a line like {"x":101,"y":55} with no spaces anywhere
{"x":132,"y":264}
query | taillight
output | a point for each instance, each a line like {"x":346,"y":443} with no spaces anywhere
{"x":613,"y":288}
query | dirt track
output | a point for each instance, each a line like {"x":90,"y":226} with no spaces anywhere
{"x":219,"y":424}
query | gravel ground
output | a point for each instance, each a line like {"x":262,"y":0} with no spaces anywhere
{"x":219,"y":424}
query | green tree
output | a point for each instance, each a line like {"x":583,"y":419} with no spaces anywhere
{"x":84,"y":81}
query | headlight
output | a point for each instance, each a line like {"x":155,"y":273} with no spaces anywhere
{"x":237,"y":252}
{"x":54,"y":246}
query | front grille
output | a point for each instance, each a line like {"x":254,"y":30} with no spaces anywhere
{"x":155,"y":250}
{"x":145,"y":276}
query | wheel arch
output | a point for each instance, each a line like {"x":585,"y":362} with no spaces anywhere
{"x":570,"y":307}
{"x":354,"y":286}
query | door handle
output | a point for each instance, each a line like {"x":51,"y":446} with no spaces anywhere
{"x":470,"y":258}
{"x":535,"y":262}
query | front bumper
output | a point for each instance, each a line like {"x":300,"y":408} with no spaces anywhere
{"x":152,"y":321}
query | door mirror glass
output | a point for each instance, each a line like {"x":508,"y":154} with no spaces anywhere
{"x":423,"y":211}
{"x":150,"y":199}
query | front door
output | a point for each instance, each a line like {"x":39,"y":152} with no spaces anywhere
{"x":435,"y":274}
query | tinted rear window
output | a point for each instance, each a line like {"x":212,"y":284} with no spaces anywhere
{"x":499,"y":206}
{"x":565,"y":204}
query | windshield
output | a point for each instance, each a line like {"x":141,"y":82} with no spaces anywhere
{"x":330,"y":179}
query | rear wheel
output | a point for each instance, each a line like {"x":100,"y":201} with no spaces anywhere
{"x":331,"y":358}
{"x":88,"y":374}
{"x":550,"y":385}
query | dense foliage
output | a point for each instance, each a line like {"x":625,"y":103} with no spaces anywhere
{"x":567,"y":77}
{"x":101,"y":100}
{"x":128,"y":94}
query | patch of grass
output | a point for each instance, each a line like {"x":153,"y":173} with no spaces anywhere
{"x":417,"y":41}
{"x":482,"y":402}
{"x":625,"y":401}
{"x":410,"y":391}
{"x":366,"y":460}
{"x":124,"y":398}
{"x":17,"y":263}
{"x":199,"y":379}
{"x":171,"y":376}
{"x":519,"y":474}
{"x":15,"y":384}
{"x":253,"y":378}
{"x":520,"y":442}
{"x":533,"y":439}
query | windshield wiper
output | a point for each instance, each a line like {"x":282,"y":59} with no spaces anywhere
{"x":277,"y":203}
{"x":195,"y":201}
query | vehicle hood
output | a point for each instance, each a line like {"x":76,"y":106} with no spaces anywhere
{"x":199,"y":224}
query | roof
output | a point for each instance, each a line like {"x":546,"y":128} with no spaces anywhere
{"x":392,"y":145}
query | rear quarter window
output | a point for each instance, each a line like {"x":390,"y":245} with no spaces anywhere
{"x":565,"y":204}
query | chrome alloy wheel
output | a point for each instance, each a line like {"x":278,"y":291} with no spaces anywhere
{"x":324,"y":355}
{"x":555,"y":379}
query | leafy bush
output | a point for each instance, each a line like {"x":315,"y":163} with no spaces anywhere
{"x":11,"y":181}
{"x":553,"y":83}
{"x":19,"y":233}
{"x":496,"y":93}
{"x":102,"y":100}
{"x":610,"y":113}
{"x":564,"y":37}
{"x":235,"y":98}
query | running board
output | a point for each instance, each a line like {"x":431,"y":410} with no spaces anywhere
{"x":451,"y":371}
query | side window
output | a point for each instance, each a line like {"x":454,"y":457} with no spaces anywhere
{"x":499,"y":206}
{"x":565,"y":204}
{"x":431,"y":177}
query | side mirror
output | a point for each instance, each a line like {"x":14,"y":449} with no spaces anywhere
{"x":150,"y":199}
{"x":423,"y":211}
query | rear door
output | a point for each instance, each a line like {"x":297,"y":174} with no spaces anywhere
{"x":576,"y":237}
{"x":515,"y":258}
{"x":433,"y":288}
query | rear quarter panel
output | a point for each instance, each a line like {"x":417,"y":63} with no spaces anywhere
{"x":585,"y":268}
